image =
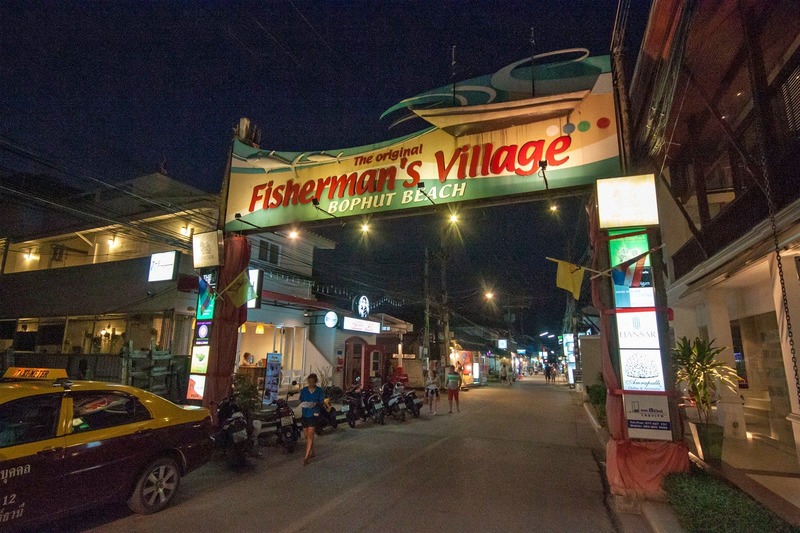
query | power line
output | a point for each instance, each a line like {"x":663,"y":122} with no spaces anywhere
{"x":321,"y":38}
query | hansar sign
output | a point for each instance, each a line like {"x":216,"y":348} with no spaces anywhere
{"x":489,"y":145}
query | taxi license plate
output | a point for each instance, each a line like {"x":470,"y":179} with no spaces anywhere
{"x":378,"y":405}
{"x":345,"y":408}
{"x":287,"y":421}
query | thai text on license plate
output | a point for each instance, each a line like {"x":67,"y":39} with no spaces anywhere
{"x":345,"y":408}
{"x":287,"y":421}
{"x":378,"y":405}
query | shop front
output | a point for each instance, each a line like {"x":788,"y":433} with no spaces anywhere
{"x":55,"y":318}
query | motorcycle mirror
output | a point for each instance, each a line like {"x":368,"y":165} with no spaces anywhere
{"x":294,"y":382}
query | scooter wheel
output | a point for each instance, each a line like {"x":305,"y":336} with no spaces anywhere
{"x":382,"y":418}
{"x":402,"y":416}
{"x":334,"y":419}
{"x":351,"y":420}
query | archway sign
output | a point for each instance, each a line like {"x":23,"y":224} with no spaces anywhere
{"x":486,"y":139}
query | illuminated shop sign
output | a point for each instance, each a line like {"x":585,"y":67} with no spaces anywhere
{"x":202,"y":333}
{"x":200,"y":359}
{"x":207,"y":249}
{"x":364,"y":326}
{"x":633,"y":284}
{"x":638,"y":330}
{"x":627,"y":201}
{"x":197,"y":385}
{"x":256,"y":278}
{"x":641,"y":370}
{"x":163,"y":266}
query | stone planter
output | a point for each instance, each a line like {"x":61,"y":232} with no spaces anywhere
{"x":708,"y":441}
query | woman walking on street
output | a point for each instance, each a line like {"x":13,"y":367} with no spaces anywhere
{"x":311,"y":398}
{"x":432,"y":392}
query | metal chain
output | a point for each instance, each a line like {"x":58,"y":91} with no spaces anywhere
{"x":779,"y":261}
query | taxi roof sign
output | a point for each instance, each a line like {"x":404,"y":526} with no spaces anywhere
{"x":44,"y":374}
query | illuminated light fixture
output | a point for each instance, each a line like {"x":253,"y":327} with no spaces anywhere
{"x":185,"y":230}
{"x":489,"y":295}
{"x":739,"y":93}
{"x":551,"y":336}
{"x":453,"y":218}
{"x":105,"y":330}
{"x":29,"y":255}
{"x":260,"y":329}
{"x":364,"y":228}
{"x":112,"y":242}
{"x":544,"y":334}
{"x":553,"y":208}
{"x":243,"y":329}
{"x":294,"y":234}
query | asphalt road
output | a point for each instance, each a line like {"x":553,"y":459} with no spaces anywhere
{"x":519,"y":458}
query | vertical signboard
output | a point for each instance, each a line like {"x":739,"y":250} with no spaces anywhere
{"x":201,"y":348}
{"x":272,"y":378}
{"x":627,"y":205}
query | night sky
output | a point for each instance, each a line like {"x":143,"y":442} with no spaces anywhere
{"x":115,"y":88}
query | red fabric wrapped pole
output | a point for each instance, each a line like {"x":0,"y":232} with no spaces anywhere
{"x":633,"y":468}
{"x":227,"y":319}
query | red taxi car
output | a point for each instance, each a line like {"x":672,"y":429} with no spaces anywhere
{"x":66,"y":446}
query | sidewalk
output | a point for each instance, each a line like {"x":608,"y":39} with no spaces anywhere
{"x":766,"y":470}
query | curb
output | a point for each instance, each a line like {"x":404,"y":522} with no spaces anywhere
{"x":658,"y":515}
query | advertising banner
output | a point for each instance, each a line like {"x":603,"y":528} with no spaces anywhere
{"x":272,"y":378}
{"x":490,"y":144}
{"x":633,"y":286}
{"x":648,"y":417}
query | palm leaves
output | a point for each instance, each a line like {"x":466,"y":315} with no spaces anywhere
{"x":696,"y":363}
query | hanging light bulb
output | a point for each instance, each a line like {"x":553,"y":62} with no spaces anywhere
{"x":243,"y":329}
{"x":260,"y":329}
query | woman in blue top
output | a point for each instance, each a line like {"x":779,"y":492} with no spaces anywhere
{"x":311,"y":398}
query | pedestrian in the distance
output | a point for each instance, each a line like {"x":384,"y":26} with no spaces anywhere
{"x":547,"y":373}
{"x":453,"y":386}
{"x":311,"y":399}
{"x":503,"y":373}
{"x":432,"y":392}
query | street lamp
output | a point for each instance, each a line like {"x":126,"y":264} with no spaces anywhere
{"x":453,"y":218}
{"x":489,"y":295}
{"x":364,"y":228}
{"x":544,"y":334}
{"x":294,"y":234}
{"x":553,"y":208}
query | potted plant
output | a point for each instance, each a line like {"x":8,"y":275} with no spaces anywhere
{"x":697,"y":365}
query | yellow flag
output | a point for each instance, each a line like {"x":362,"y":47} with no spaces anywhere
{"x":240,"y":291}
{"x":570,"y":278}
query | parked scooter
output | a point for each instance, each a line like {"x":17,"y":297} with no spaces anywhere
{"x":413,"y":403}
{"x":327,"y":416}
{"x":353,"y":405}
{"x":232,"y":433}
{"x":374,"y":406}
{"x":394,"y":401}
{"x":286,"y":426}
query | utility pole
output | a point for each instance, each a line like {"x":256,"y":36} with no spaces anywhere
{"x":426,"y":342}
{"x":453,"y":71}
{"x":445,"y":309}
{"x":533,"y":80}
